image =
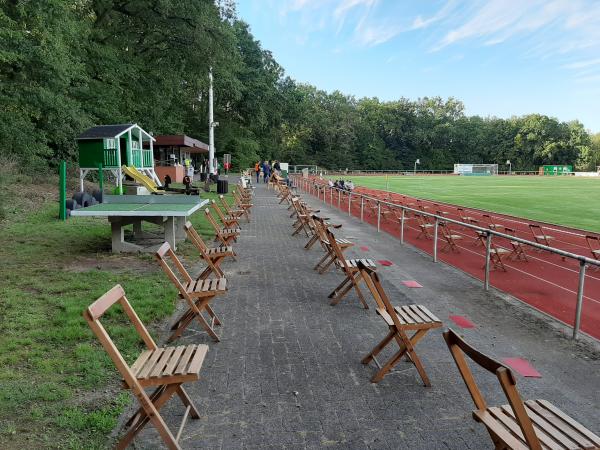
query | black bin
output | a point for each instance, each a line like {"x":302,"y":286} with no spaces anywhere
{"x":202,"y":176}
{"x":222,"y":187}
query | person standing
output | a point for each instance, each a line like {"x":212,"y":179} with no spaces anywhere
{"x":266,"y":172}
{"x":257,"y":170}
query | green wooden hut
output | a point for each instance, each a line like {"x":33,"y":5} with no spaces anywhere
{"x":114,"y":146}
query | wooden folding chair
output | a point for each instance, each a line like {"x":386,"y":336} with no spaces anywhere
{"x":350,"y":269}
{"x":518,"y":252}
{"x":197,"y":293}
{"x":497,"y":254}
{"x":165,"y":369}
{"x":400,"y":320}
{"x":227,"y":220}
{"x":539,"y":236}
{"x":237,"y":213}
{"x":212,"y":256}
{"x":478,"y":234}
{"x":424,"y":225}
{"x":449,"y":238}
{"x":533,"y":424}
{"x":223,"y":234}
{"x":321,"y":227}
{"x":242,"y":204}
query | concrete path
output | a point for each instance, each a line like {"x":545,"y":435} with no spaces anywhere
{"x":287,"y":373}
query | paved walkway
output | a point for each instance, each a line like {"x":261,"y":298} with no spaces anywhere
{"x":287,"y":373}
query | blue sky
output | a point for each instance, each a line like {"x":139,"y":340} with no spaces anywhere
{"x":500,"y":57}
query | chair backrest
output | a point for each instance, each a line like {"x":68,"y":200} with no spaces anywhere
{"x":225,"y":204}
{"x":535,"y":229}
{"x":212,"y":220}
{"x":166,"y":255}
{"x":373,"y":283}
{"x":94,"y":313}
{"x":193,"y":236}
{"x":339,"y":255}
{"x":593,"y":242}
{"x":218,"y":211}
{"x":459,"y":348}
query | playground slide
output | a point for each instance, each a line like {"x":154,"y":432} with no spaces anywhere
{"x":142,"y":179}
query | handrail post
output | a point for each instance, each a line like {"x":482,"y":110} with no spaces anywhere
{"x":435,"y":239}
{"x":339,"y":199}
{"x":488,"y":249}
{"x":349,"y":203}
{"x":378,"y":216}
{"x":331,"y":196}
{"x":402,"y":226}
{"x":362,"y":207}
{"x":579,"y":299}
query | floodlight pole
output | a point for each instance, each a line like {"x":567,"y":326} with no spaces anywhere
{"x":509,"y":166}
{"x":418,"y":161}
{"x":211,"y":126}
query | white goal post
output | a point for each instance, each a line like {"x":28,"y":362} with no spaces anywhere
{"x":476,"y":169}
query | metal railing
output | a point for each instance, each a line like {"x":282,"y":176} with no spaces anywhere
{"x":309,"y":185}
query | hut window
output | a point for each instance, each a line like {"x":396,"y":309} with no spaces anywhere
{"x":135,"y":145}
{"x":109,"y":143}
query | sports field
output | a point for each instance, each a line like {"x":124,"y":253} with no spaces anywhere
{"x":567,"y":201}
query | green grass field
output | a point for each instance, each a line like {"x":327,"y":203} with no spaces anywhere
{"x":58,"y":388}
{"x":567,"y":201}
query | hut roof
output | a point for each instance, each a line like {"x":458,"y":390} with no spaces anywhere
{"x":109,"y":131}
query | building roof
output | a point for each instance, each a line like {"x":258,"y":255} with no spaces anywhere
{"x":181,"y":140}
{"x":110,"y":131}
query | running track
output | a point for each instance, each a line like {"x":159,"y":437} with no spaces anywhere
{"x":545,"y":281}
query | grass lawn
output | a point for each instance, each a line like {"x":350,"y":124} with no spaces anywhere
{"x":57,"y":386}
{"x":571,"y":201}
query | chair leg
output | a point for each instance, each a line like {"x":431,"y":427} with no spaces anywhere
{"x":333,"y":293}
{"x":187,"y":401}
{"x":378,"y":348}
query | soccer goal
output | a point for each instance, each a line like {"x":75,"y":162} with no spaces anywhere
{"x":476,"y":169}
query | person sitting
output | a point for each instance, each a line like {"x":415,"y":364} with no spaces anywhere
{"x":330,"y":183}
{"x":342,"y":186}
{"x":349,"y":185}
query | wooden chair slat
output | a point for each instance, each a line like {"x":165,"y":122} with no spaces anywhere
{"x":184,"y":360}
{"x":147,"y":368}
{"x":432,"y":316}
{"x":417,"y":310}
{"x":573,"y":429}
{"x":548,"y":434}
{"x":157,"y":370}
{"x":406,"y":317}
{"x":174,"y":360}
{"x":141,"y":360}
{"x":198,"y":358}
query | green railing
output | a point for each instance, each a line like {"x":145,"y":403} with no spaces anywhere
{"x":147,"y":158}
{"x":137,"y":157}
{"x":110,"y":158}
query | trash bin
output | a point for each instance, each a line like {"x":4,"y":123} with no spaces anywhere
{"x":202,"y":176}
{"x":222,"y":187}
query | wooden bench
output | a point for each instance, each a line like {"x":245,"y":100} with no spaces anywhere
{"x":533,"y":424}
{"x":197,"y":293}
{"x":163,"y":368}
{"x":416,"y":319}
{"x":349,"y":268}
{"x":213,"y":257}
{"x":223,"y":234}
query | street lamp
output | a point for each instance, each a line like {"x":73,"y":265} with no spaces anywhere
{"x":509,"y":166}
{"x":418,"y":161}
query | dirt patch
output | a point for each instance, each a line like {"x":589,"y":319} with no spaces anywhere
{"x":113,"y":263}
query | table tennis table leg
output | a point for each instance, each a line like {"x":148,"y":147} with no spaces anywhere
{"x":170,"y":233}
{"x":119,"y":244}
{"x":179,"y":229}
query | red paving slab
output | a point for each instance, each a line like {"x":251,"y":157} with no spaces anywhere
{"x":545,"y":281}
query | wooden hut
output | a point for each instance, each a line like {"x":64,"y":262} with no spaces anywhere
{"x":171,"y":153}
{"x":113,"y":146}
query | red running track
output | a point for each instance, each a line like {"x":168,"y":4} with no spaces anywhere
{"x":545,"y":281}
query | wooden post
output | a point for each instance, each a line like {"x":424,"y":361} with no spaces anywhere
{"x":100,"y":178}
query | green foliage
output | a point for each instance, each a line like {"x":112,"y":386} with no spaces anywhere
{"x":67,"y":65}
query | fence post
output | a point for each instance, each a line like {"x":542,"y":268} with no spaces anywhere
{"x":579,"y":299}
{"x":331,"y":196}
{"x":62,"y":190}
{"x":402,"y":226}
{"x":435,"y":239}
{"x":339,"y":199}
{"x":349,"y":203}
{"x":362,"y":207}
{"x":488,"y":248}
{"x":378,"y":216}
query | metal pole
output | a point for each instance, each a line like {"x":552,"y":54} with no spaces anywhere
{"x":488,"y":248}
{"x":211,"y":125}
{"x":378,"y":216}
{"x":435,"y":239}
{"x":349,"y":203}
{"x":362,"y":207}
{"x":331,"y":196}
{"x":62,"y":190}
{"x":402,"y":227}
{"x":579,"y":299}
{"x":339,"y":199}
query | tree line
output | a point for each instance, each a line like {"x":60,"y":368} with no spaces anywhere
{"x":68,"y":65}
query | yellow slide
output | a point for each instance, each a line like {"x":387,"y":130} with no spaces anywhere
{"x":142,"y":179}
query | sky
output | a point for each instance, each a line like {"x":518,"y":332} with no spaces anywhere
{"x":499,"y":57}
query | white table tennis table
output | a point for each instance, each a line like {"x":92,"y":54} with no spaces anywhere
{"x":168,"y":211}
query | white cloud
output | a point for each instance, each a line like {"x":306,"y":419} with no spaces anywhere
{"x":582,"y":64}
